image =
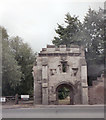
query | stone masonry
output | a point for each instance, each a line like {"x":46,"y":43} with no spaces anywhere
{"x":96,"y":91}
{"x":57,"y":66}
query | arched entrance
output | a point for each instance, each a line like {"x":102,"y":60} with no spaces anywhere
{"x":64,"y":94}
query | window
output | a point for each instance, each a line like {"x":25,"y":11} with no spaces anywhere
{"x":64,"y":66}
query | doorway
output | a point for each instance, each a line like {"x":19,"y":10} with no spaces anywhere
{"x":64,"y":94}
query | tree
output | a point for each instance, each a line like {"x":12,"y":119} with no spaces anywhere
{"x":66,"y":34}
{"x":90,"y":34}
{"x":25,"y":58}
{"x":63,"y":92}
{"x":11,"y":74}
{"x":93,"y":29}
{"x":18,"y":59}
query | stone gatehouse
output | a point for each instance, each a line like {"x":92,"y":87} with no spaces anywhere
{"x":60,"y":66}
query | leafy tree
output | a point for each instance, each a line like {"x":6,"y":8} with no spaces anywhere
{"x":93,"y":28}
{"x":25,"y":58}
{"x":90,"y":34}
{"x":17,"y":59}
{"x":63,"y":92}
{"x":66,"y":33}
{"x":11,"y":74}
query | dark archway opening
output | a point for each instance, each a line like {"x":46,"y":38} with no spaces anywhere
{"x":64,"y":94}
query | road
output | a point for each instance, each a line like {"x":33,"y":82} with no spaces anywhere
{"x":55,"y":112}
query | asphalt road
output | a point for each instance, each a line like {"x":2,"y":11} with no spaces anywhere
{"x":55,"y":112}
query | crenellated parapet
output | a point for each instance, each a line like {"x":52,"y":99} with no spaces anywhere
{"x":52,"y":50}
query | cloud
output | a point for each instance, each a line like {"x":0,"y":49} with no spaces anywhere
{"x":36,"y":20}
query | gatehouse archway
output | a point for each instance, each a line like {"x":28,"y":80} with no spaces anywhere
{"x":64,"y":94}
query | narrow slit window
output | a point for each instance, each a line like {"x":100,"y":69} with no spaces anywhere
{"x":64,"y":66}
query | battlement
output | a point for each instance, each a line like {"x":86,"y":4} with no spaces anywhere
{"x":63,"y":46}
{"x":52,"y":50}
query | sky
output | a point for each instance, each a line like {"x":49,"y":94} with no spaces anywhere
{"x":35,"y":21}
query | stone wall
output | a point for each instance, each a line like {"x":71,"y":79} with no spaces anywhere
{"x":49,"y":74}
{"x":96,"y":92}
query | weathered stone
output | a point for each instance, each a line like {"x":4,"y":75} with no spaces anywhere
{"x":96,"y":91}
{"x":58,"y":67}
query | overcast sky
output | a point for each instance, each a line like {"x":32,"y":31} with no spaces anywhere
{"x":35,"y":21}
